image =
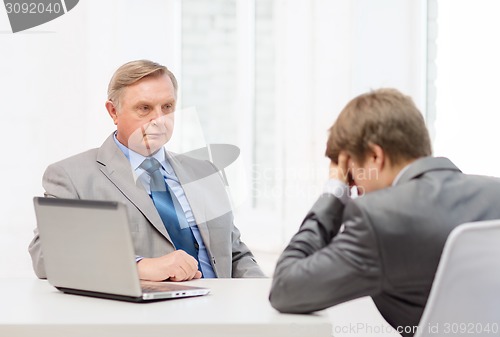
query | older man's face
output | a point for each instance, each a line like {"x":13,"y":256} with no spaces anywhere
{"x":144,"y":117}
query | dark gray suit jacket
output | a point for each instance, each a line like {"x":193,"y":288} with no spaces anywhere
{"x":105,"y":174}
{"x":390,"y":246}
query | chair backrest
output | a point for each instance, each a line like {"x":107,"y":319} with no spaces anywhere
{"x":465,"y":296}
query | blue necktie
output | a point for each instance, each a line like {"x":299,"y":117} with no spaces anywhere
{"x":182,"y":238}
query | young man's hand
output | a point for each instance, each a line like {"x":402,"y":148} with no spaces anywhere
{"x":340,"y":171}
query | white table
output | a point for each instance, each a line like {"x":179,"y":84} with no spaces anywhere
{"x":235,"y":307}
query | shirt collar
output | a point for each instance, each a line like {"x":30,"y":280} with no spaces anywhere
{"x":403,"y":170}
{"x":136,"y":159}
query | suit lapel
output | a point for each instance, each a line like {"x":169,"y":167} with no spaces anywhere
{"x":116,"y":167}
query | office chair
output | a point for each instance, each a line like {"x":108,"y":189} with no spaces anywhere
{"x":465,"y":296}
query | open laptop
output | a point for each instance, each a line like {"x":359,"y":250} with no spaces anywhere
{"x":87,"y":249}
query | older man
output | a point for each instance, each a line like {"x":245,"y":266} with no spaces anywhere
{"x":180,"y":217}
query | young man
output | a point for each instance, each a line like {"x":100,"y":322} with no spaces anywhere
{"x":173,"y":201}
{"x":387,"y":242}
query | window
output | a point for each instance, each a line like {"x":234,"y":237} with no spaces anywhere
{"x":228,"y":83}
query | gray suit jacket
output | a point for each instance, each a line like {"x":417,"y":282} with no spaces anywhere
{"x":105,"y":174}
{"x":390,"y":246}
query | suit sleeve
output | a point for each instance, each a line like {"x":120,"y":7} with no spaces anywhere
{"x":244,"y":263}
{"x":322,"y":267}
{"x":57,"y":184}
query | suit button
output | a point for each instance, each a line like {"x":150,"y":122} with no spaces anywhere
{"x":196,"y":245}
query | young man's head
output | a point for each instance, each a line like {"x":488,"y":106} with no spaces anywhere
{"x":141,"y":101}
{"x":381,"y":132}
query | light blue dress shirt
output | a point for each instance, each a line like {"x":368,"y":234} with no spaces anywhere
{"x":171,"y":179}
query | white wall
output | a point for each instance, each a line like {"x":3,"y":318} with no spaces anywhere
{"x":468,"y":70}
{"x":53,"y":82}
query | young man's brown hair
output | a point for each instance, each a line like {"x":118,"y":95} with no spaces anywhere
{"x":384,"y":117}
